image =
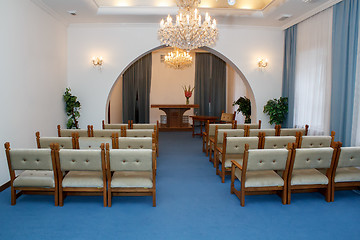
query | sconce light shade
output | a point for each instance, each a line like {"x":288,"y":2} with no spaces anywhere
{"x":262,"y":62}
{"x":97,"y":62}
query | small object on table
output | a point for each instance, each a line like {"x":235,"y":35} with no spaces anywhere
{"x":202,"y":120}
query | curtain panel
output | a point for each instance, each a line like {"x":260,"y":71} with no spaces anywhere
{"x":136,"y":91}
{"x":288,"y":85}
{"x":344,"y":48}
{"x":313,"y":73}
{"x":210,"y":84}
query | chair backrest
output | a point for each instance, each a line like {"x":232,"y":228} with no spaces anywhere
{"x":45,"y":142}
{"x":315,"y":141}
{"x":29,"y":159}
{"x":236,"y":145}
{"x":92,"y":142}
{"x":292,"y":131}
{"x":138,"y":133}
{"x":267,"y":159}
{"x":130,"y":159}
{"x":64,"y":142}
{"x":105,"y":132}
{"x":114,"y":125}
{"x":306,"y":158}
{"x":212,"y":127}
{"x":250,"y":125}
{"x":255,"y":132}
{"x":69,"y":132}
{"x":81,"y":160}
{"x":230,"y":133}
{"x":272,"y":142}
{"x":227,"y":117}
{"x":135,"y":143}
{"x":349,"y":157}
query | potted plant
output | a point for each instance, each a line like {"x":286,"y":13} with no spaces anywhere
{"x":277,"y":110}
{"x":244,"y":107}
{"x":72,"y":107}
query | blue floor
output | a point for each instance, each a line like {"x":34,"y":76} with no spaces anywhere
{"x":192,"y":203}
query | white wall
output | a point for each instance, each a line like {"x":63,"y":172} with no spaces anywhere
{"x":120,"y":44}
{"x":32,"y":74}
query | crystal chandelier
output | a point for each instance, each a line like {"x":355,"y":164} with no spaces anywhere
{"x":178,"y":59}
{"x":189,"y":31}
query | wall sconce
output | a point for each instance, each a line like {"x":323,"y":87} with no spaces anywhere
{"x":262,"y":63}
{"x":97,"y":62}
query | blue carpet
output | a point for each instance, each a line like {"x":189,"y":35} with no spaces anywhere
{"x":192,"y":203}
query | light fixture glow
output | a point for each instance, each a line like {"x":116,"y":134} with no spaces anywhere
{"x":97,"y":62}
{"x":262,"y":63}
{"x":190,"y":30}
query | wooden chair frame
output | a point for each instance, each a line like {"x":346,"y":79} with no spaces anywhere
{"x":280,"y":190}
{"x":130,"y":191}
{"x":227,"y":171}
{"x":227,"y":117}
{"x":325,"y":189}
{"x":88,"y":130}
{"x":31,"y":190}
{"x":337,"y":186}
{"x":81,"y":191}
{"x":103,"y":124}
{"x":299,"y":135}
{"x":235,"y":124}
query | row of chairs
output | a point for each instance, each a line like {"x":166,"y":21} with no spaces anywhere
{"x":107,"y":134}
{"x":285,"y":171}
{"x":76,"y":142}
{"x":230,"y":146}
{"x":129,"y":125}
{"x":250,"y":130}
{"x":107,"y":172}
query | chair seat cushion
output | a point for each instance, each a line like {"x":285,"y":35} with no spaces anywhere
{"x":349,"y":174}
{"x":35,"y":178}
{"x":307,"y":177}
{"x":129,"y":179}
{"x":266,"y":178}
{"x":83,"y":179}
{"x":229,"y":157}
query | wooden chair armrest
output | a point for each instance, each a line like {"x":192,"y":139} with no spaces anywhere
{"x":236,"y":164}
{"x":219,"y":149}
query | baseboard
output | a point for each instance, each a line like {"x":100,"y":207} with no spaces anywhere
{"x":5,"y":186}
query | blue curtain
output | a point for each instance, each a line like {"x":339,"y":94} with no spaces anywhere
{"x":288,"y":84}
{"x":344,"y":53}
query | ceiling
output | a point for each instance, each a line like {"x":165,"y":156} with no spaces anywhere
{"x":272,"y":13}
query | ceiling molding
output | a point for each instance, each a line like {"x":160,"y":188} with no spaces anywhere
{"x":51,"y":12}
{"x":311,"y":13}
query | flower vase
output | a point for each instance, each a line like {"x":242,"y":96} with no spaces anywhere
{"x":187,"y":101}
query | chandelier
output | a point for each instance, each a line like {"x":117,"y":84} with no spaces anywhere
{"x":178,"y":59}
{"x":189,"y":31}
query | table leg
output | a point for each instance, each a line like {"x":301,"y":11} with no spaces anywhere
{"x":201,"y":128}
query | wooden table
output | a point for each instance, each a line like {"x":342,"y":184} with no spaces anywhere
{"x":174,"y":116}
{"x":202,"y":120}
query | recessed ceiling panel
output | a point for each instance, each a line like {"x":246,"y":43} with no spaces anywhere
{"x":239,"y":4}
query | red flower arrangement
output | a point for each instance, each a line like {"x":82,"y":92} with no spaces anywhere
{"x":188,"y":93}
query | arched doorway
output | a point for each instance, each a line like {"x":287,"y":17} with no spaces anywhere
{"x":163,"y":80}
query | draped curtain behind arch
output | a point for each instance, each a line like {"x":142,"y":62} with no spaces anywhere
{"x":136,"y":90}
{"x":210,"y":84}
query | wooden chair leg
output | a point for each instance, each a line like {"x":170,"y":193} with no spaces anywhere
{"x":283,"y":197}
{"x":288,"y":196}
{"x":109,"y":197}
{"x":232,"y":186}
{"x":242,"y":197}
{"x":332,"y":192}
{"x":104,"y":197}
{"x":154,"y":199}
{"x":56,"y":196}
{"x":61,"y":198}
{"x":328,"y":194}
{"x":13,"y":196}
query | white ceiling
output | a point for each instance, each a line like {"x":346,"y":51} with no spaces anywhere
{"x":152,"y":11}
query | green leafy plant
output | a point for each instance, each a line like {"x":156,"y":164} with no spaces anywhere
{"x":277,"y":110}
{"x":244,"y":107}
{"x":72,"y":107}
